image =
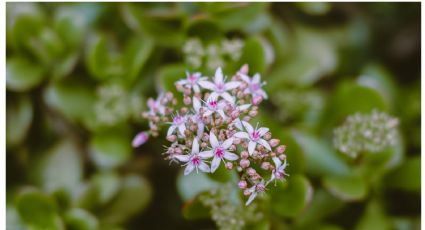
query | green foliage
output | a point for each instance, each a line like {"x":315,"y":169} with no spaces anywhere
{"x":78,"y":74}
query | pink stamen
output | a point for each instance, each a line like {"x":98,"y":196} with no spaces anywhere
{"x":219,"y":152}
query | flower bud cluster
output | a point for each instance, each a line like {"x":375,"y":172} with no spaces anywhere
{"x":212,"y":127}
{"x":372,"y":132}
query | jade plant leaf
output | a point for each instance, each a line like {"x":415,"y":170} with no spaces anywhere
{"x":348,"y":188}
{"x":22,"y":74}
{"x":80,"y":219}
{"x":19,"y":114}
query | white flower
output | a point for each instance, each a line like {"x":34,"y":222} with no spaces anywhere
{"x":258,"y":188}
{"x":219,"y":152}
{"x":254,"y":137}
{"x":192,"y":81}
{"x":215,"y":106}
{"x":219,"y":87}
{"x":254,"y":85}
{"x":178,"y":123}
{"x":155,"y":106}
{"x":279,"y":172}
{"x":197,"y":117}
{"x":194,"y":160}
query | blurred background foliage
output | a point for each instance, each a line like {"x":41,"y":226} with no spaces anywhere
{"x":78,"y":75}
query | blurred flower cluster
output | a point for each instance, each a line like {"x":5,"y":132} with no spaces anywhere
{"x":360,"y":132}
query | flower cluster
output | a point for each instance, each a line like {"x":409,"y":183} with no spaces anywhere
{"x":212,"y":128}
{"x":214,"y":54}
{"x":372,"y":132}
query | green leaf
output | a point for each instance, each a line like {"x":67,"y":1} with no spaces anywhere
{"x":373,"y":218}
{"x":74,"y":99}
{"x":38,"y":211}
{"x":205,"y":29}
{"x":347,"y":188}
{"x":407,"y":176}
{"x":191,"y":185}
{"x":98,"y":57}
{"x":194,"y":209}
{"x":137,"y":52}
{"x":61,"y":167}
{"x":133,"y":197}
{"x":110,"y":148}
{"x":320,"y":158}
{"x":79,"y":219}
{"x":314,"y":8}
{"x":289,"y":199}
{"x":254,"y":54}
{"x":23,"y":75}
{"x":322,"y":205}
{"x":19,"y":114}
{"x":13,"y":221}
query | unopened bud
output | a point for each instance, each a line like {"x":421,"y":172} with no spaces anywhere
{"x":244,"y":163}
{"x":242,"y":184}
{"x":274,"y":142}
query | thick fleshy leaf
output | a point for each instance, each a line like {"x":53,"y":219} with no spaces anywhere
{"x":194,"y":209}
{"x":61,"y":167}
{"x":191,"y":185}
{"x":80,"y":219}
{"x":22,"y":74}
{"x":290,"y":198}
{"x":407,"y":176}
{"x":373,"y":218}
{"x":134,"y":195}
{"x":38,"y":211}
{"x":110,"y":148}
{"x":347,"y":188}
{"x":254,"y":54}
{"x":19,"y":114}
{"x":137,"y":52}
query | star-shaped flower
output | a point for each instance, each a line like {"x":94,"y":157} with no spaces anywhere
{"x":254,"y":85}
{"x":213,"y":105}
{"x":197,"y":116}
{"x":192,"y":81}
{"x":219,"y":87}
{"x":194,"y":160}
{"x":255,"y":190}
{"x":155,"y":106}
{"x":178,"y":123}
{"x":254,"y":137}
{"x":279,"y":172}
{"x":219,"y":151}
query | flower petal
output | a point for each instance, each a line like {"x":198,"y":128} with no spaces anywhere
{"x":238,"y":124}
{"x":189,"y":168}
{"x":277,"y":162}
{"x":244,"y":107}
{"x":213,"y":140}
{"x":227,"y":143}
{"x":218,"y":78}
{"x":182,"y":128}
{"x":248,"y":127}
{"x":195,"y":146}
{"x":182,"y":158}
{"x":265,"y":144}
{"x":196,"y":104}
{"x":215,"y":163}
{"x":171,"y":130}
{"x":256,"y":79}
{"x":207,"y":85}
{"x":231,"y":85}
{"x":241,"y":135}
{"x":251,"y":198}
{"x":221,"y":112}
{"x":230,"y":156}
{"x":206,"y":154}
{"x":263,"y":131}
{"x":228,"y":98}
{"x":245,"y":78}
{"x":204,"y":167}
{"x":251,"y":147}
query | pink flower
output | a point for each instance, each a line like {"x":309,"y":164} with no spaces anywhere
{"x":178,"y":123}
{"x":194,"y":160}
{"x":219,"y":152}
{"x":279,"y":172}
{"x":255,"y":190}
{"x":197,"y":116}
{"x":155,"y":106}
{"x":254,"y":85}
{"x":254,"y":137}
{"x":215,"y":106}
{"x":192,"y":81}
{"x":219,"y":87}
{"x":140,"y":139}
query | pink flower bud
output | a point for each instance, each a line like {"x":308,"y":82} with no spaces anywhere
{"x":274,"y":142}
{"x":251,"y":171}
{"x":244,"y":154}
{"x":229,"y":165}
{"x":244,"y":69}
{"x":267,"y":136}
{"x":187,"y":100}
{"x":242,"y":184}
{"x":253,"y":113}
{"x":140,"y":139}
{"x":265,"y":165}
{"x":235,"y":114}
{"x":244,"y":163}
{"x":260,"y":187}
{"x":246,"y":192}
{"x":282,"y":157}
{"x":257,"y":100}
{"x":281,"y":149}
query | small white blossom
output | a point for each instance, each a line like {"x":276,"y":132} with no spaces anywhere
{"x":155,"y":106}
{"x":194,"y":160}
{"x":219,"y":151}
{"x":215,"y":106}
{"x":255,"y":190}
{"x":178,"y":123}
{"x":197,"y":116}
{"x":254,"y":85}
{"x":254,"y":137}
{"x":192,"y":81}
{"x":219,"y":87}
{"x":279,"y":172}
